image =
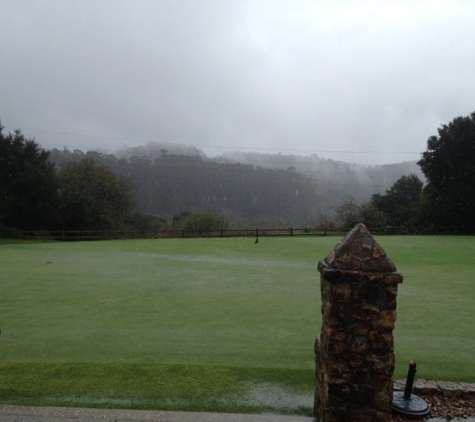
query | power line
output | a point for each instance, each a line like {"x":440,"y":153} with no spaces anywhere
{"x":228,"y":147}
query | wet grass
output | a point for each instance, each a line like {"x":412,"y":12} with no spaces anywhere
{"x":166,"y":387}
{"x":139,"y":323}
{"x":205,"y":302}
{"x":436,"y":308}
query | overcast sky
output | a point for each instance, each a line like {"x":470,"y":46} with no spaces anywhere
{"x":359,"y":81}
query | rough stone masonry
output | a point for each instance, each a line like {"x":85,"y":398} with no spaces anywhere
{"x":354,"y":353}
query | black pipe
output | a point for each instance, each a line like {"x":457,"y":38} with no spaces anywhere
{"x":410,"y":380}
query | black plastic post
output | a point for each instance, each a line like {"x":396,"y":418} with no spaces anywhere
{"x":410,"y":380}
{"x":408,"y":405}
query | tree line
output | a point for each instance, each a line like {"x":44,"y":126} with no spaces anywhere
{"x":445,"y":204}
{"x":245,"y":195}
{"x":73,"y":190}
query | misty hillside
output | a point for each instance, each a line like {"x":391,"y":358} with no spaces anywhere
{"x":379,"y":177}
{"x":249,"y":188}
{"x":337,"y":181}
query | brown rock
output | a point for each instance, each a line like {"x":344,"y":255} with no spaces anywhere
{"x":364,"y":415}
{"x":334,"y":333}
{"x":341,"y":292}
{"x":387,"y":319}
{"x":359,"y":345}
{"x":391,"y":288}
{"x":382,"y":399}
{"x":340,"y":390}
{"x":356,"y":360}
{"x":361,"y":376}
{"x":337,"y":368}
{"x":325,"y":289}
{"x":376,"y":278}
{"x":378,"y":252}
{"x":383,"y":364}
{"x":382,"y":341}
{"x":394,"y":278}
{"x":359,"y":329}
{"x":334,"y":314}
{"x":369,"y":293}
{"x":365,"y":311}
{"x":336,"y":347}
{"x":356,"y":247}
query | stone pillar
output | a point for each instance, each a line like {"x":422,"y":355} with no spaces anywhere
{"x":354,"y":353}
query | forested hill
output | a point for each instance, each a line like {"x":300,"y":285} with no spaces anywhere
{"x":379,"y":177}
{"x":250,"y":189}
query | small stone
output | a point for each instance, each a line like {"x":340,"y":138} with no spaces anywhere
{"x":356,"y":360}
{"x":376,"y":278}
{"x":379,"y":252}
{"x":337,"y":348}
{"x":469,"y":390}
{"x":391,"y":305}
{"x":422,"y":386}
{"x":383,"y":364}
{"x":394,"y":278}
{"x":325,"y":289}
{"x":382,"y":341}
{"x":341,"y":292}
{"x":337,"y":368}
{"x":360,"y":376}
{"x":359,"y":345}
{"x":387,"y":319}
{"x":449,"y":389}
{"x":335,"y":333}
{"x":365,"y":311}
{"x":359,"y":329}
{"x":363,"y":414}
{"x":341,"y":390}
{"x":334,"y":314}
{"x":368,"y":293}
{"x":391,"y":288}
{"x":383,"y":399}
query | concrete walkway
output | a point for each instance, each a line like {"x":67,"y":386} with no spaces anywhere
{"x":74,"y":414}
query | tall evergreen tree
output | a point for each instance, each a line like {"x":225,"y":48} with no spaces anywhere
{"x":92,"y":197}
{"x":449,"y":166}
{"x":28,"y":184}
{"x":401,"y":202}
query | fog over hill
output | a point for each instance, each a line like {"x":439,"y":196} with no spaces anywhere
{"x":380,"y":176}
{"x":336,"y":179}
{"x":332,"y":182}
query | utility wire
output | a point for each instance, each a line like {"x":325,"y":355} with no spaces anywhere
{"x":224,"y":147}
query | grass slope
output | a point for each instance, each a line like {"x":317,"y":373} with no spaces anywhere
{"x":145,"y":323}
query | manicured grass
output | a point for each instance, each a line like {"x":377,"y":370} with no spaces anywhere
{"x":166,"y":387}
{"x":208,"y":324}
{"x":204,"y":302}
{"x":436,"y":305}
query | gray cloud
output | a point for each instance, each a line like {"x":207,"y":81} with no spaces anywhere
{"x":358,"y":81}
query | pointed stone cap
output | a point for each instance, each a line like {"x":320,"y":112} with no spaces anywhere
{"x":358,"y":251}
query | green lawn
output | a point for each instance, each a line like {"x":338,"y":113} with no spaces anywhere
{"x":208,"y":324}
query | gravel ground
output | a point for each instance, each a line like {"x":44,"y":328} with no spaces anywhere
{"x":446,"y":408}
{"x":446,"y":400}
